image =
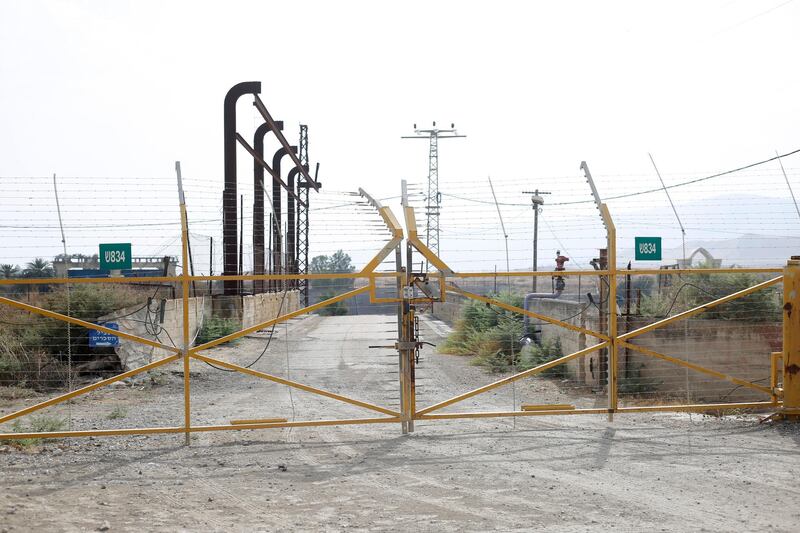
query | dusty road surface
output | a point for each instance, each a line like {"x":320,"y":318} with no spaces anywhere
{"x":654,"y":472}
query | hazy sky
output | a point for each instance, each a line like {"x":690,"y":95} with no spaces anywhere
{"x":123,"y":89}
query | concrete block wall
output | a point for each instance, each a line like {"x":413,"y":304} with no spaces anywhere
{"x":259,"y":308}
{"x":736,"y":348}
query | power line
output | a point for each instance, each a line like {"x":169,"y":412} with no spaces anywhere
{"x":648,"y":191}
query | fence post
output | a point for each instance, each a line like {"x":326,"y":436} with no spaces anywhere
{"x":185,"y":281}
{"x":791,"y":337}
{"x":613,"y":348}
{"x":611,"y":268}
{"x":401,"y":322}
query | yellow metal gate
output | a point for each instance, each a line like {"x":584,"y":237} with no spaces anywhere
{"x":413,"y":289}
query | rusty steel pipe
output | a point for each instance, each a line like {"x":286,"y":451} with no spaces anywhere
{"x":277,"y":243}
{"x":291,"y":226}
{"x":258,"y":205}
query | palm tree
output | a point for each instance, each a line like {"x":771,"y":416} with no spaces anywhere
{"x":9,"y":271}
{"x":38,"y":268}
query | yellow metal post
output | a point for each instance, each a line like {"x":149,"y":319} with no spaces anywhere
{"x":613,"y":348}
{"x":791,"y":338}
{"x":407,"y":403}
{"x":412,"y":378}
{"x":402,"y":306}
{"x":185,"y":283}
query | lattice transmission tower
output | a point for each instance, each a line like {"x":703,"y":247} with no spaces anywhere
{"x":433,"y":198}
{"x":302,"y":218}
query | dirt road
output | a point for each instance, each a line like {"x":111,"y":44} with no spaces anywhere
{"x":663,"y":472}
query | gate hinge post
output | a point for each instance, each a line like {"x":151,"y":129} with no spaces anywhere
{"x":791,"y":339}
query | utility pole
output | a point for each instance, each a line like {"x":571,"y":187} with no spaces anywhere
{"x":537,"y":201}
{"x":433,"y":199}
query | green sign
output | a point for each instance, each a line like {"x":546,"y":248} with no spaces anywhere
{"x":116,"y":256}
{"x":648,"y":248}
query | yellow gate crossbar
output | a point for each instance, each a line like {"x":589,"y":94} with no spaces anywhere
{"x":88,"y":388}
{"x":515,"y":377}
{"x":698,"y":368}
{"x":394,"y":228}
{"x":612,"y":340}
{"x":296,"y":385}
{"x":699,"y":309}
{"x":85,"y":324}
{"x":514,"y":309}
{"x":197,"y":429}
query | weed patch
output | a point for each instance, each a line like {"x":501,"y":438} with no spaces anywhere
{"x":37,"y":424}
{"x":215,"y":328}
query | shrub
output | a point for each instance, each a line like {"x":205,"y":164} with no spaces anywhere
{"x":490,"y":334}
{"x":336,"y":309}
{"x":22,"y":367}
{"x":38,"y":424}
{"x":696,"y":289}
{"x":215,"y":328}
{"x":33,"y":351}
{"x":534,"y":355}
{"x":86,"y":302}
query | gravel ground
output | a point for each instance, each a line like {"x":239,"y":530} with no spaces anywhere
{"x":643,"y":472}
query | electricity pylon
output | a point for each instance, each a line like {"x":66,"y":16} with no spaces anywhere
{"x":433,"y":199}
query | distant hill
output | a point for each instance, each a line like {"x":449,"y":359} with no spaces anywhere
{"x":768,"y":230}
{"x":748,"y":250}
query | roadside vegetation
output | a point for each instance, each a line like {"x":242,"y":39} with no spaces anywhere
{"x":215,"y":328}
{"x":337,"y":263}
{"x":492,"y":337}
{"x":36,"y":424}
{"x":534,"y":355}
{"x":33,"y":350}
{"x":690,"y":291}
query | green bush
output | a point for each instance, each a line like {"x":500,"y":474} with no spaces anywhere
{"x":25,"y":367}
{"x":336,"y":309}
{"x":33,"y":350}
{"x":215,"y":328}
{"x":488,"y":333}
{"x":86,"y":302}
{"x":696,"y":289}
{"x":534,"y":355}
